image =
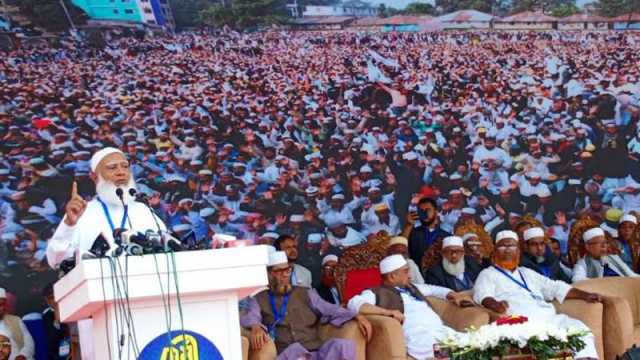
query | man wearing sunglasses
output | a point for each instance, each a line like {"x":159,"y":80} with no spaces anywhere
{"x":507,"y":288}
{"x":290,"y":315}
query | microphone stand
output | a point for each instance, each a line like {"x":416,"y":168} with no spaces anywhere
{"x":120,"y":195}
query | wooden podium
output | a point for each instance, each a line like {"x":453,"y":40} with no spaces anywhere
{"x":210,"y":284}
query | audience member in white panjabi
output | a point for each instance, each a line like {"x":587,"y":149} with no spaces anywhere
{"x":407,"y":303}
{"x":597,"y":263}
{"x":507,"y":288}
{"x":12,"y":327}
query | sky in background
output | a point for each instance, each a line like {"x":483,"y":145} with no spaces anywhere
{"x":401,"y":4}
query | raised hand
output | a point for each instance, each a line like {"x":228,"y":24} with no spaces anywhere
{"x":75,"y":207}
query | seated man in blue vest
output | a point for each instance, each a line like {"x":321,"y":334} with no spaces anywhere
{"x":456,"y":271}
{"x":597,"y":262}
{"x":290,"y":315}
{"x":407,"y":303}
{"x":539,"y":258}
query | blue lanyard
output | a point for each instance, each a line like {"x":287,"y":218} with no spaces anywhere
{"x":279,"y":315}
{"x":522,"y":284}
{"x":466,"y":281}
{"x":108,"y":215}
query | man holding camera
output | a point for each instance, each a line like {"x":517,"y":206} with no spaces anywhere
{"x":427,"y":233}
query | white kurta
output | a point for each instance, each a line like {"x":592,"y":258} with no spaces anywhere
{"x":67,"y":239}
{"x":422,"y":326}
{"x":28,"y":349}
{"x":534,"y":304}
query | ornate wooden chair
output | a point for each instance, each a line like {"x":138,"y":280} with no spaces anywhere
{"x":358,"y":270}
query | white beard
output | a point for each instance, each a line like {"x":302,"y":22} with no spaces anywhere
{"x":106,"y":190}
{"x":453,"y":269}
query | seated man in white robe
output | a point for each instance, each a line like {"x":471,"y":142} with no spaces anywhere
{"x":113,"y":208}
{"x":509,"y":289}
{"x":597,"y":263}
{"x":407,"y":303}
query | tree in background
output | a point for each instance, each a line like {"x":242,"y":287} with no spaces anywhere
{"x":420,"y":9}
{"x":185,"y":12}
{"x":245,"y":14}
{"x":48,"y":14}
{"x":495,"y":7}
{"x":617,"y":7}
{"x":546,"y":6}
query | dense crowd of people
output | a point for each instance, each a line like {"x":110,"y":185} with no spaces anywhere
{"x":316,"y":142}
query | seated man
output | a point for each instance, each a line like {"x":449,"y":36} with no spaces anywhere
{"x":327,"y":288}
{"x":456,"y":271}
{"x":300,"y":276}
{"x":538,"y":258}
{"x":506,"y":288}
{"x":290,"y":315}
{"x":400,"y":245}
{"x":17,"y":332}
{"x":407,"y":303}
{"x":597,"y":263}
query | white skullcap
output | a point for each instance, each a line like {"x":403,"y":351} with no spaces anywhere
{"x":271,"y":235}
{"x":468,"y":236}
{"x":328,"y":258}
{"x":409,"y":156}
{"x":452,"y":241}
{"x":533,"y":233}
{"x":506,"y":234}
{"x":296,"y":218}
{"x":399,"y":240}
{"x":469,"y":211}
{"x":315,"y":238}
{"x":206,"y":212}
{"x":630,"y":218}
{"x":543,"y":192}
{"x":278,"y":258}
{"x":3,"y":293}
{"x":591,"y":234}
{"x":392,"y":263}
{"x":99,"y":155}
{"x":337,"y":197}
{"x":181,"y":227}
{"x":224,"y":237}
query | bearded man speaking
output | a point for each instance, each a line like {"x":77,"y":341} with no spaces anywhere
{"x":111,"y":209}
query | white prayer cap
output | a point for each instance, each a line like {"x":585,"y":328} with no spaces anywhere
{"x":224,"y":237}
{"x":328,"y":258}
{"x":543,"y":192}
{"x":469,"y":211}
{"x":296,"y":218}
{"x":534,"y":232}
{"x":337,"y":197}
{"x":392,"y":263}
{"x":278,"y":258}
{"x":99,"y":155}
{"x":533,"y":175}
{"x":315,"y":238}
{"x":506,"y":234}
{"x":409,"y":156}
{"x":3,"y":293}
{"x":366,"y":169}
{"x":591,"y":234}
{"x":399,"y":240}
{"x":181,"y":227}
{"x":452,"y":241}
{"x":630,"y":218}
{"x":468,"y":236}
{"x":270,"y":235}
{"x":206,"y":212}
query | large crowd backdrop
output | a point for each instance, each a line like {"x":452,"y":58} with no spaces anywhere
{"x":331,"y":137}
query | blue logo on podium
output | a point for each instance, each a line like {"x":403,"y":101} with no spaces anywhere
{"x":178,"y":345}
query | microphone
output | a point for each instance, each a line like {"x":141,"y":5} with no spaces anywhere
{"x":120,"y":195}
{"x":141,"y":197}
{"x":171,"y":242}
{"x":100,"y":247}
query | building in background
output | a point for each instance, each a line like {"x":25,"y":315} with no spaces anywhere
{"x":149,"y":12}
{"x":466,"y":19}
{"x":355,"y":8}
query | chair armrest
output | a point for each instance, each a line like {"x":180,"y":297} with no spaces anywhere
{"x":590,"y":314}
{"x":245,"y":348}
{"x":387,"y":342}
{"x":348,"y":331}
{"x":617,"y":327}
{"x":459,"y":318}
